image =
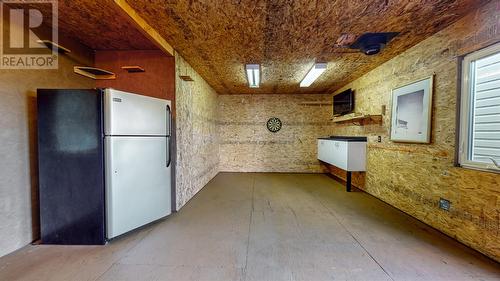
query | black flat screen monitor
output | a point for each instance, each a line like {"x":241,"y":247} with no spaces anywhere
{"x":343,"y":103}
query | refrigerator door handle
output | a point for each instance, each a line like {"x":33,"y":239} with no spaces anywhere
{"x":169,"y":136}
{"x":169,"y":123}
{"x":169,"y":157}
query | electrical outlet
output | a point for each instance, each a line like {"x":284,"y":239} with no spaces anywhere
{"x":444,"y":204}
{"x":379,"y":139}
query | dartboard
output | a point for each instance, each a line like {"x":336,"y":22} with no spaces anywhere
{"x":274,"y":124}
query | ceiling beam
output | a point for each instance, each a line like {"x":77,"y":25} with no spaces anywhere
{"x":144,"y":27}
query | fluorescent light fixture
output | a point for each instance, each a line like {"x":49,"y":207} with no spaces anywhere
{"x":253,"y":75}
{"x":313,"y":74}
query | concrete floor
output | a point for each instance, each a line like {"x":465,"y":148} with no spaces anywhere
{"x":266,"y":227}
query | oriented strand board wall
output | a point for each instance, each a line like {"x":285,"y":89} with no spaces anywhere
{"x":247,"y":145}
{"x":197,"y":138}
{"x":412,"y":177}
{"x":19,"y":223}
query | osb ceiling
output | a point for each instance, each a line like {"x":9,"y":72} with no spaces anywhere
{"x":98,"y":24}
{"x":101,"y":25}
{"x":286,"y":37}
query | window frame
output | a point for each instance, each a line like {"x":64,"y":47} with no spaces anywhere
{"x":466,"y":117}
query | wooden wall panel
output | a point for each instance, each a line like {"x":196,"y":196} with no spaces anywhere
{"x":412,"y":177}
{"x":197,"y":137}
{"x":247,"y":145}
{"x":358,"y":178}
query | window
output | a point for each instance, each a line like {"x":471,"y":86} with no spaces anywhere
{"x":479,"y":146}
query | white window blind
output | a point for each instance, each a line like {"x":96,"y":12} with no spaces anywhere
{"x":486,"y":90}
{"x":480,"y":114}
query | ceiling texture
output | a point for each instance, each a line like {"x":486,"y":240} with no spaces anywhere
{"x":97,"y":24}
{"x":286,"y":37}
{"x":218,"y":37}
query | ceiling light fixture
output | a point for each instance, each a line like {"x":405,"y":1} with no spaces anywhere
{"x":313,"y":74}
{"x":253,"y":75}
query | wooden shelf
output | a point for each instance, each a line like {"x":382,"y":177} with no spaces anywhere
{"x":94,"y":73}
{"x":315,"y":103}
{"x":133,"y":68}
{"x":53,"y":46}
{"x":186,"y":78}
{"x":358,"y":118}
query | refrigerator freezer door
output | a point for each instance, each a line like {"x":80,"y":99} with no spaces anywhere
{"x":127,"y":114}
{"x":137,"y":182}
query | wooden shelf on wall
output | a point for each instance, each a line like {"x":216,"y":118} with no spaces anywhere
{"x":186,"y":78}
{"x":53,"y":46}
{"x":133,"y":68}
{"x":94,"y":73}
{"x":358,"y":119}
{"x":315,"y":103}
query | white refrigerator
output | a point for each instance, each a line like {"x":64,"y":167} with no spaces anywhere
{"x":138,"y":160}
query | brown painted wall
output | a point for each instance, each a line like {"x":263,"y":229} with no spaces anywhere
{"x":248,"y":146}
{"x":19,"y":223}
{"x":412,"y":177}
{"x":157,"y":81}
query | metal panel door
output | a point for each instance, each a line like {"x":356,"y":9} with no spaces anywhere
{"x":129,"y":114}
{"x":137,"y":182}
